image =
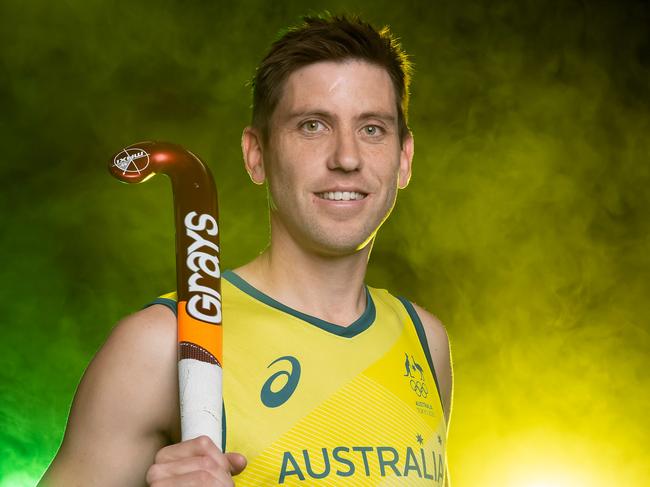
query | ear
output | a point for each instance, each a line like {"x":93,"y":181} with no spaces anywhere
{"x":251,"y":146}
{"x":405,"y":160}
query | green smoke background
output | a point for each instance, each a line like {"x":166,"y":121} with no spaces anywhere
{"x":525,"y":227}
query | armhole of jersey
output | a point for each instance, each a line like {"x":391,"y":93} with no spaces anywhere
{"x":419,"y":328}
{"x":170,"y":303}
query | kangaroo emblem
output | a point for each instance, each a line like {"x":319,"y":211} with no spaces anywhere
{"x":417,"y":367}
{"x":407,"y":364}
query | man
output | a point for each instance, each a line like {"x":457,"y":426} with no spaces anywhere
{"x":326,"y":381}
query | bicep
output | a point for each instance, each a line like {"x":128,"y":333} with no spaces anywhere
{"x":123,"y":407}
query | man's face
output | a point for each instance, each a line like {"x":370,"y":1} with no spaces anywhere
{"x":333,"y":161}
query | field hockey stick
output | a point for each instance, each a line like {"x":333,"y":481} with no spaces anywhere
{"x":198,"y":277}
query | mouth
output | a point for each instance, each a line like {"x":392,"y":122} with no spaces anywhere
{"x":341,"y":195}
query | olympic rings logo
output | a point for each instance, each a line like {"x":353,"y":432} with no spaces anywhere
{"x":420,"y":388}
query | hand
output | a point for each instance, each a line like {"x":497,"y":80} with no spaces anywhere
{"x":196,"y":462}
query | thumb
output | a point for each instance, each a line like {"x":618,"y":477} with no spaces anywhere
{"x":237,"y":462}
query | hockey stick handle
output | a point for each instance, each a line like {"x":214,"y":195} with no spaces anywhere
{"x":198,"y":277}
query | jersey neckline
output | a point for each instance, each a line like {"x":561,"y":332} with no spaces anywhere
{"x":362,"y":323}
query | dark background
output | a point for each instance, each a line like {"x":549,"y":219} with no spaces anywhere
{"x":525,"y":228}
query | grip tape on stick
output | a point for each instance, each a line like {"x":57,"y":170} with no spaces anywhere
{"x":198,"y":277}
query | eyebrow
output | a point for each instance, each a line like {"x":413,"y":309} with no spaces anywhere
{"x":384,"y":116}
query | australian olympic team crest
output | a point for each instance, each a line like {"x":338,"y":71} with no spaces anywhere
{"x":415,"y":375}
{"x":133,"y":160}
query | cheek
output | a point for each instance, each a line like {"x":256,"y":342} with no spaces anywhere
{"x":386,"y":170}
{"x":384,"y":157}
{"x":297,"y":164}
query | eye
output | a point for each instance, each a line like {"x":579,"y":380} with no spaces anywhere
{"x":373,"y":130}
{"x":312,"y":126}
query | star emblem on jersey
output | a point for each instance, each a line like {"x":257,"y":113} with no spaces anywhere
{"x":419,"y":438}
{"x":439,"y":439}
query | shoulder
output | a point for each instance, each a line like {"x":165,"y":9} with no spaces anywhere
{"x":135,"y":371}
{"x":125,"y":407}
{"x":146,"y":330}
{"x":439,"y":347}
{"x":141,"y":341}
{"x":142,"y":348}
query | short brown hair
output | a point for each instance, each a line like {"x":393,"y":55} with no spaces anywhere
{"x":329,"y":38}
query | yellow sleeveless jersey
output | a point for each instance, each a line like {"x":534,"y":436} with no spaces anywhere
{"x":311,"y":403}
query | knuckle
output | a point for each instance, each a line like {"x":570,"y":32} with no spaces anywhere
{"x":153,"y":473}
{"x":220,"y":463}
{"x":204,"y":442}
{"x":160,"y":455}
{"x":208,"y":463}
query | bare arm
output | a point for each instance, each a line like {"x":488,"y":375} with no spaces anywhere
{"x":441,"y":356}
{"x":125,"y":407}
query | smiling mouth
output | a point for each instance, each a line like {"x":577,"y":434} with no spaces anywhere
{"x":341,"y":195}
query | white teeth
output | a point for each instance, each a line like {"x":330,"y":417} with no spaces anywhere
{"x":341,"y":195}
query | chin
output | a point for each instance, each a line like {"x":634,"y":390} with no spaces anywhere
{"x":339,"y":247}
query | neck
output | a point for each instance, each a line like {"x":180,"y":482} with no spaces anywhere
{"x":328,"y":287}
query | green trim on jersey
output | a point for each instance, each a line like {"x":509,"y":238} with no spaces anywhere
{"x":359,"y":326}
{"x":419,"y":327}
{"x":170,"y":303}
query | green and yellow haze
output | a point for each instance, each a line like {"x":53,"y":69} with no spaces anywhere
{"x":525,"y":228}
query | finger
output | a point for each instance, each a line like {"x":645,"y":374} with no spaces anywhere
{"x":160,"y":471}
{"x":237,"y":462}
{"x":196,"y":479}
{"x":201,"y":446}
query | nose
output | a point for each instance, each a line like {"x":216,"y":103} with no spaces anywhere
{"x":346,"y":155}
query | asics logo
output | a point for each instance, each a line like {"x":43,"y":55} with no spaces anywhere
{"x":272,"y":397}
